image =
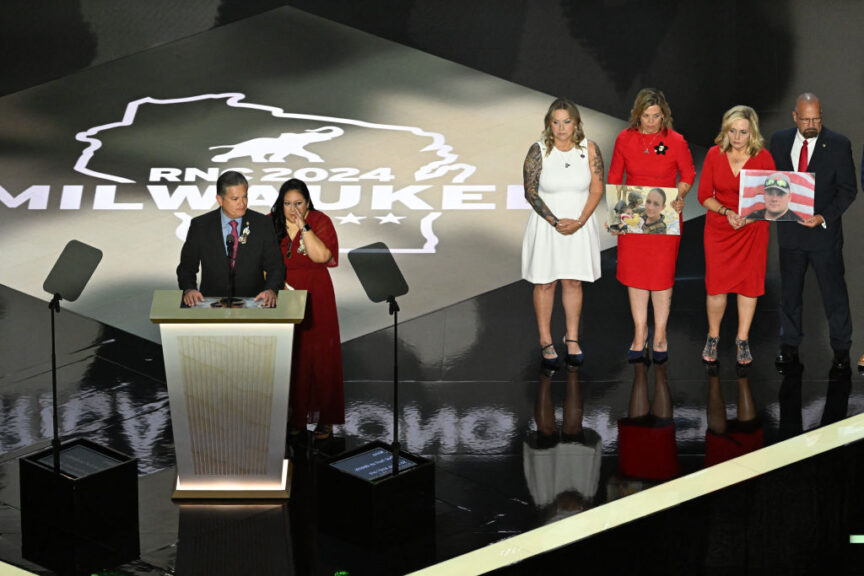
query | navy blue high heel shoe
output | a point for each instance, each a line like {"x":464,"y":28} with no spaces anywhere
{"x":634,"y":356}
{"x":574,"y":359}
{"x":549,"y":363}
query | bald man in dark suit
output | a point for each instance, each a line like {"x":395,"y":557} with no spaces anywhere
{"x":817,"y":241}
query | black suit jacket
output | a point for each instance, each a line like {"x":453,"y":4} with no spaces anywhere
{"x":205,"y":246}
{"x":836,"y":187}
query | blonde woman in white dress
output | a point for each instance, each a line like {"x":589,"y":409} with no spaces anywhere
{"x":564,"y":181}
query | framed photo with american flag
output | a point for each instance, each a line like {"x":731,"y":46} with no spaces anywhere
{"x":776,"y":196}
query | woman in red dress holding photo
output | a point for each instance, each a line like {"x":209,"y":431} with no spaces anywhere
{"x":650,"y":153}
{"x":309,"y":247}
{"x":736,"y":249}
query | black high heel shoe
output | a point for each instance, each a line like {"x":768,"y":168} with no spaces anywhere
{"x":634,"y":356}
{"x":574,"y":359}
{"x":549,"y":363}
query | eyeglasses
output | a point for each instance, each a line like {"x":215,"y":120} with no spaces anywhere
{"x":814,"y":121}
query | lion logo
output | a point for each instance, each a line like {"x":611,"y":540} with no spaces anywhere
{"x":279,"y":148}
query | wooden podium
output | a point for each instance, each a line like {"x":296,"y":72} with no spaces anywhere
{"x":228,"y":372}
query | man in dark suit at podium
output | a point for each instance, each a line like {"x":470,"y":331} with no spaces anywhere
{"x":817,"y":241}
{"x":256,"y":258}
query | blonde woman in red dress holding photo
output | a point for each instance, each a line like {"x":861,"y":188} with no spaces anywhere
{"x":736,"y":249}
{"x":650,"y":153}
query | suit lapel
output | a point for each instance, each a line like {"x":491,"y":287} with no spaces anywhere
{"x":820,"y":149}
{"x":787,"y":164}
{"x":217,"y":229}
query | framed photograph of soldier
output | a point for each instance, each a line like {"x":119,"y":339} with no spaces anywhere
{"x":776,"y":196}
{"x":641,"y":210}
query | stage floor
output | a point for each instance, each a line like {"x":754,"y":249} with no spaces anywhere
{"x":471,"y":393}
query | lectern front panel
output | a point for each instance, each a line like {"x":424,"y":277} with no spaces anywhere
{"x":228,"y":385}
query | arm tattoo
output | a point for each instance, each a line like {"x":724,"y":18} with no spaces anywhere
{"x":597,"y":164}
{"x":531,"y":178}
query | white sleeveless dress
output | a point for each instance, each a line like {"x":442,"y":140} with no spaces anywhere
{"x":548,"y":255}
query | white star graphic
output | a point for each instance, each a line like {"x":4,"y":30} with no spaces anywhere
{"x":390,"y":218}
{"x":350,"y":219}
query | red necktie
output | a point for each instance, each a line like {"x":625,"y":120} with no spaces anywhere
{"x":233,"y":224}
{"x":802,"y":158}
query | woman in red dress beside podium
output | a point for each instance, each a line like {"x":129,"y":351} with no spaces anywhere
{"x":309,"y":246}
{"x":736,"y":249}
{"x":650,"y":153}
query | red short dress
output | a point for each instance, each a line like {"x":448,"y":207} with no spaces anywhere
{"x":317,"y":393}
{"x":734,"y":259}
{"x":662,"y":159}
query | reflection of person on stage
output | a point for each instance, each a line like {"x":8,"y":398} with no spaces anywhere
{"x":562,"y":468}
{"x":646,"y":436}
{"x":777,"y":192}
{"x":309,"y":247}
{"x":257,"y":265}
{"x":791,"y":406}
{"x":728,"y":438}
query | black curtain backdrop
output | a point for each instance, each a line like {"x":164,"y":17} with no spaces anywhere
{"x":706,"y":57}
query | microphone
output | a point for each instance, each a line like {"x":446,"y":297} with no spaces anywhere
{"x":229,"y":244}
{"x":230,"y":301}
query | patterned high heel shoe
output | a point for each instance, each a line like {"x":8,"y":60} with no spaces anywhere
{"x":709,"y":352}
{"x":743,"y":355}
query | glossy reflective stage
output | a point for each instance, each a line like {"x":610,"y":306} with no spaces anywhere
{"x":514,"y":448}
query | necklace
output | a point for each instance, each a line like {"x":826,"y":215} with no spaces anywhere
{"x":647,"y":147}
{"x":564,"y":153}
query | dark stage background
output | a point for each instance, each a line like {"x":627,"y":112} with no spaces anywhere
{"x":706,"y":56}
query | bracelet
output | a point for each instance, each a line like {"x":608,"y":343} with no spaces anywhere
{"x":579,"y":220}
{"x":555,"y":225}
{"x":725,"y":210}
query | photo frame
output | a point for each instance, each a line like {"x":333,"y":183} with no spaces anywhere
{"x":776,"y":196}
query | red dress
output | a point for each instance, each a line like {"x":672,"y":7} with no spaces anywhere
{"x":723,"y":447}
{"x":667,"y":162}
{"x":734,"y":259}
{"x":316,"y":372}
{"x":647,"y":449}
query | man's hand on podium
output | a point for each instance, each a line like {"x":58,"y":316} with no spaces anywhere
{"x":267,"y":298}
{"x":192,"y":297}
